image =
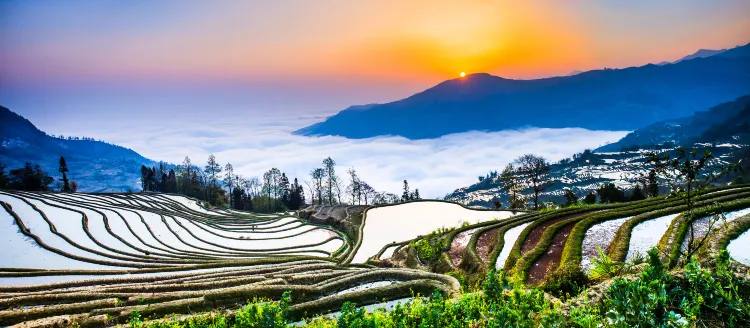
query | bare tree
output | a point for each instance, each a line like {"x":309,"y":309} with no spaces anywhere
{"x":511,"y":185}
{"x":354,"y":185}
{"x":535,"y":170}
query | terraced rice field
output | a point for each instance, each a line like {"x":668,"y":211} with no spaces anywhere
{"x":94,"y":258}
{"x":534,"y":246}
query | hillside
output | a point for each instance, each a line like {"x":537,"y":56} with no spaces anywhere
{"x":723,"y":129}
{"x":726,"y":122}
{"x":608,"y":99}
{"x":97,"y":166}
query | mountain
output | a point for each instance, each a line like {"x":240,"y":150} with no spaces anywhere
{"x":726,"y":122}
{"x":702,"y":53}
{"x":96,"y":166}
{"x":723,"y":129}
{"x":608,"y":99}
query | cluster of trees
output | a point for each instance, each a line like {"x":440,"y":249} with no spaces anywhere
{"x":528,"y":172}
{"x":327,"y":188}
{"x":275,"y":191}
{"x":31,"y":177}
{"x":529,"y":175}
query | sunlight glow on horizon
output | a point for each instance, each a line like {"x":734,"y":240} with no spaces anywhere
{"x":50,"y":43}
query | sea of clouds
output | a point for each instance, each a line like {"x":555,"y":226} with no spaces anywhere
{"x":434,"y":166}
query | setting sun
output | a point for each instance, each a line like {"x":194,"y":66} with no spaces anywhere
{"x":463,"y":74}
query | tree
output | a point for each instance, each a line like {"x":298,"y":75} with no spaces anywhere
{"x":511,"y":185}
{"x":368,"y":192}
{"x":329,"y":166}
{"x":406,"y":196}
{"x":637,"y":194}
{"x":29,"y":178}
{"x":653,"y":186}
{"x":590,"y":198}
{"x":415,"y":195}
{"x":354,"y":187}
{"x":284,"y":190}
{"x":3,"y":177}
{"x":212,"y":169}
{"x":74,"y":186}
{"x":609,"y":193}
{"x":229,"y":180}
{"x":187,"y":166}
{"x":64,"y":170}
{"x":688,"y":174}
{"x":535,"y":170}
{"x":317,"y":179}
{"x":144,"y":177}
{"x":570,"y":197}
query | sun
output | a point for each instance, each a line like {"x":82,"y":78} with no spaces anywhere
{"x":463,"y":74}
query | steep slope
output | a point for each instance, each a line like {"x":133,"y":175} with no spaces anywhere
{"x":97,"y":166}
{"x":609,"y":99}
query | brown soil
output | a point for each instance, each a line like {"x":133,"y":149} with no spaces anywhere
{"x":551,"y":259}
{"x":486,"y":244}
{"x":533,"y":238}
{"x":459,"y":244}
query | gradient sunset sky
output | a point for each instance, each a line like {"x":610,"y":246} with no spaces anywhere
{"x":330,"y":54}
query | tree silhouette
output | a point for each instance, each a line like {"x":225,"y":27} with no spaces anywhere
{"x":64,"y":170}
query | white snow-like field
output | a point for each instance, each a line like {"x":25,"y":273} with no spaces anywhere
{"x":739,"y":248}
{"x":646,"y":235}
{"x":701,"y":225}
{"x":600,"y":235}
{"x":384,"y":225}
{"x":509,"y":238}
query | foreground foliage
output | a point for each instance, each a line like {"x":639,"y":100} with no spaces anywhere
{"x":699,"y":295}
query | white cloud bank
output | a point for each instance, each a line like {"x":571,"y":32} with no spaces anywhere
{"x":435,"y":166}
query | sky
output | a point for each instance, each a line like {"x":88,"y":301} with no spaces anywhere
{"x":101,"y":68}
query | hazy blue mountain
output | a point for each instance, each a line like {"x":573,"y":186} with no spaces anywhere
{"x":702,"y":53}
{"x":608,"y":99}
{"x":726,"y":122}
{"x":97,"y":166}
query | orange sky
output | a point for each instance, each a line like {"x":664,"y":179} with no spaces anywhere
{"x":415,"y":41}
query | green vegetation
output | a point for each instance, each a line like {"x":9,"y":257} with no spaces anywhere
{"x":700,"y":295}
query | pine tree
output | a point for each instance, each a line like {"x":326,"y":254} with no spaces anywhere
{"x":406,"y":196}
{"x":64,"y":170}
{"x":284,"y":190}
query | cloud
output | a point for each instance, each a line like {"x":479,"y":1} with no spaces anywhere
{"x":435,"y":166}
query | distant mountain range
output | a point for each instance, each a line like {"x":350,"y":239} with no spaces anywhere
{"x":96,"y":166}
{"x":723,"y":129}
{"x":608,"y":99}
